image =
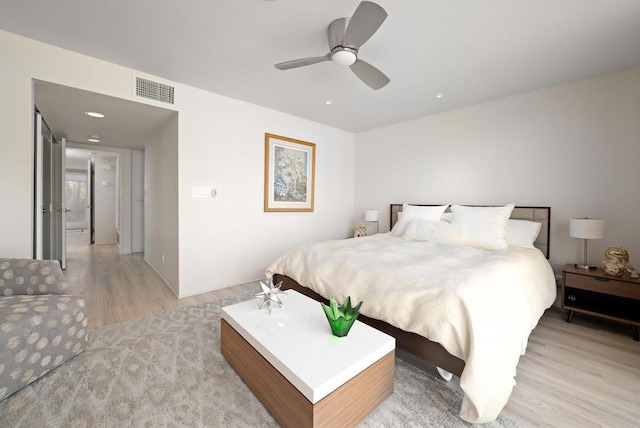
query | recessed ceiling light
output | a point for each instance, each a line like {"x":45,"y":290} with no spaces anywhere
{"x":94,"y":114}
{"x":93,"y":140}
{"x":328,"y":102}
{"x":439,"y":95}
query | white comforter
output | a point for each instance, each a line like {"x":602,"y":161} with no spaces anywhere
{"x":479,"y":305}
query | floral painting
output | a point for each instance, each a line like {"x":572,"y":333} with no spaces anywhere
{"x":289,"y":174}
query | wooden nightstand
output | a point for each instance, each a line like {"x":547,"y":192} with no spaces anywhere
{"x":595,"y":293}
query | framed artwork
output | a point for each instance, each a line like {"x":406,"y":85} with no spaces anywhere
{"x":289,"y":174}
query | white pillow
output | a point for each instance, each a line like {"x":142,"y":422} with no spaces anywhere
{"x":482,"y":227}
{"x":522,"y":233}
{"x":438,"y":232}
{"x":413,"y":212}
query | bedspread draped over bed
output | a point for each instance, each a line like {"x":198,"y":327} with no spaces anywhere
{"x":479,"y":305}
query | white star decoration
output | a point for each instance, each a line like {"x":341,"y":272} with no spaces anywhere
{"x":269,"y":295}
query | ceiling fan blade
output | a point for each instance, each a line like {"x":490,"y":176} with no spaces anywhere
{"x":365,"y":21}
{"x":370,"y":75}
{"x":335,"y":32}
{"x":302,"y":62}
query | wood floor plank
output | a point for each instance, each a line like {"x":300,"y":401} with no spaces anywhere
{"x":583,"y":374}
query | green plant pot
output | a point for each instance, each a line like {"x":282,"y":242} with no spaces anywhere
{"x":341,"y":318}
{"x":341,"y":326}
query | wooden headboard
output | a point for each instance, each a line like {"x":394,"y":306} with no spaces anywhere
{"x":541,"y":215}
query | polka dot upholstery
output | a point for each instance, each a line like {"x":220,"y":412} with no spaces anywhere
{"x":40,"y":326}
{"x":26,"y":276}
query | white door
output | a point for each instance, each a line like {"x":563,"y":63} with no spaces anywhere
{"x":39,"y":207}
{"x":61,"y":195}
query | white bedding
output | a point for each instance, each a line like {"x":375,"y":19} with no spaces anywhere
{"x":479,"y":305}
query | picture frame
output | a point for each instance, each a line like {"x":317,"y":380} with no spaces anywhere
{"x":289,"y":174}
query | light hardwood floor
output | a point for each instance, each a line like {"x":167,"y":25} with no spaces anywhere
{"x":585,"y":374}
{"x":118,"y":288}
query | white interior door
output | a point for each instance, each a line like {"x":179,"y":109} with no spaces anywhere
{"x":61,"y":189}
{"x":38,"y":191}
{"x":44,"y":192}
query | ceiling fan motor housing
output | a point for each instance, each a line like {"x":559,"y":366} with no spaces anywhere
{"x":344,"y":56}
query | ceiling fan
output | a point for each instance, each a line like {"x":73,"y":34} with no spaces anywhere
{"x":345,"y":38}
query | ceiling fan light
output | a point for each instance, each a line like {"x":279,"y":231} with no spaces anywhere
{"x":344,"y":58}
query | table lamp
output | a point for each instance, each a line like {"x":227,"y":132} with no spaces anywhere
{"x":374,"y":217}
{"x":586,"y":228}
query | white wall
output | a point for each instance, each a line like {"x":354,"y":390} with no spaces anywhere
{"x":105,"y":200}
{"x":137,"y":201}
{"x":573,"y":147}
{"x":229,"y":239}
{"x":77,"y":164}
{"x":222,"y":241}
{"x":161,"y":203}
{"x":124,"y":202}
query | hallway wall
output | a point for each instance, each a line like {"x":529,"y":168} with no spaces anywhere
{"x":105,"y":200}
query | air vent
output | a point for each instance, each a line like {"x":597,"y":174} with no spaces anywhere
{"x":146,"y":88}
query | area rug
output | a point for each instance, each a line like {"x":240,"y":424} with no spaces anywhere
{"x":167,"y":370}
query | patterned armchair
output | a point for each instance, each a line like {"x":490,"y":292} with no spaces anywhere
{"x":41,"y":324}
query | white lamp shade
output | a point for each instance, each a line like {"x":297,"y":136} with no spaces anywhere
{"x":371,"y":215}
{"x":586,"y":228}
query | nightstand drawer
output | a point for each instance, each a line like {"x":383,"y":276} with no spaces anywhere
{"x":608,"y":305}
{"x":602,"y":285}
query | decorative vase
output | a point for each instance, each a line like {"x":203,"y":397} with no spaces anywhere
{"x":616,"y":262}
{"x":341,"y":318}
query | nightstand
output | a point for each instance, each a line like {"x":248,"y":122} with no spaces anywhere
{"x":595,"y":293}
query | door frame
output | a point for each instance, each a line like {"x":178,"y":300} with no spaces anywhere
{"x":123,"y":191}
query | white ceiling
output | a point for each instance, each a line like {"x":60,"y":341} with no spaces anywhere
{"x":126,"y":124}
{"x":469,"y":50}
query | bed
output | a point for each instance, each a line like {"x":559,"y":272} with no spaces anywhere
{"x":451,"y":305}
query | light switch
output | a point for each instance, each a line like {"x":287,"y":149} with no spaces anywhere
{"x":202,"y":192}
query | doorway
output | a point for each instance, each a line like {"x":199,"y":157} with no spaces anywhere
{"x":124,"y":130}
{"x":77,"y":199}
{"x":111,"y":176}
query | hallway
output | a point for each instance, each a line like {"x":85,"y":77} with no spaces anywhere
{"x":122,"y":287}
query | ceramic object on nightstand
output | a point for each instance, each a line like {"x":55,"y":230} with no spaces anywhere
{"x":360,"y":230}
{"x":616,"y":262}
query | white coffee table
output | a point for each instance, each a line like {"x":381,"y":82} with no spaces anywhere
{"x":303,"y":374}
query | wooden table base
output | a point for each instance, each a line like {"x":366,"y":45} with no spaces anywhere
{"x":345,"y":407}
